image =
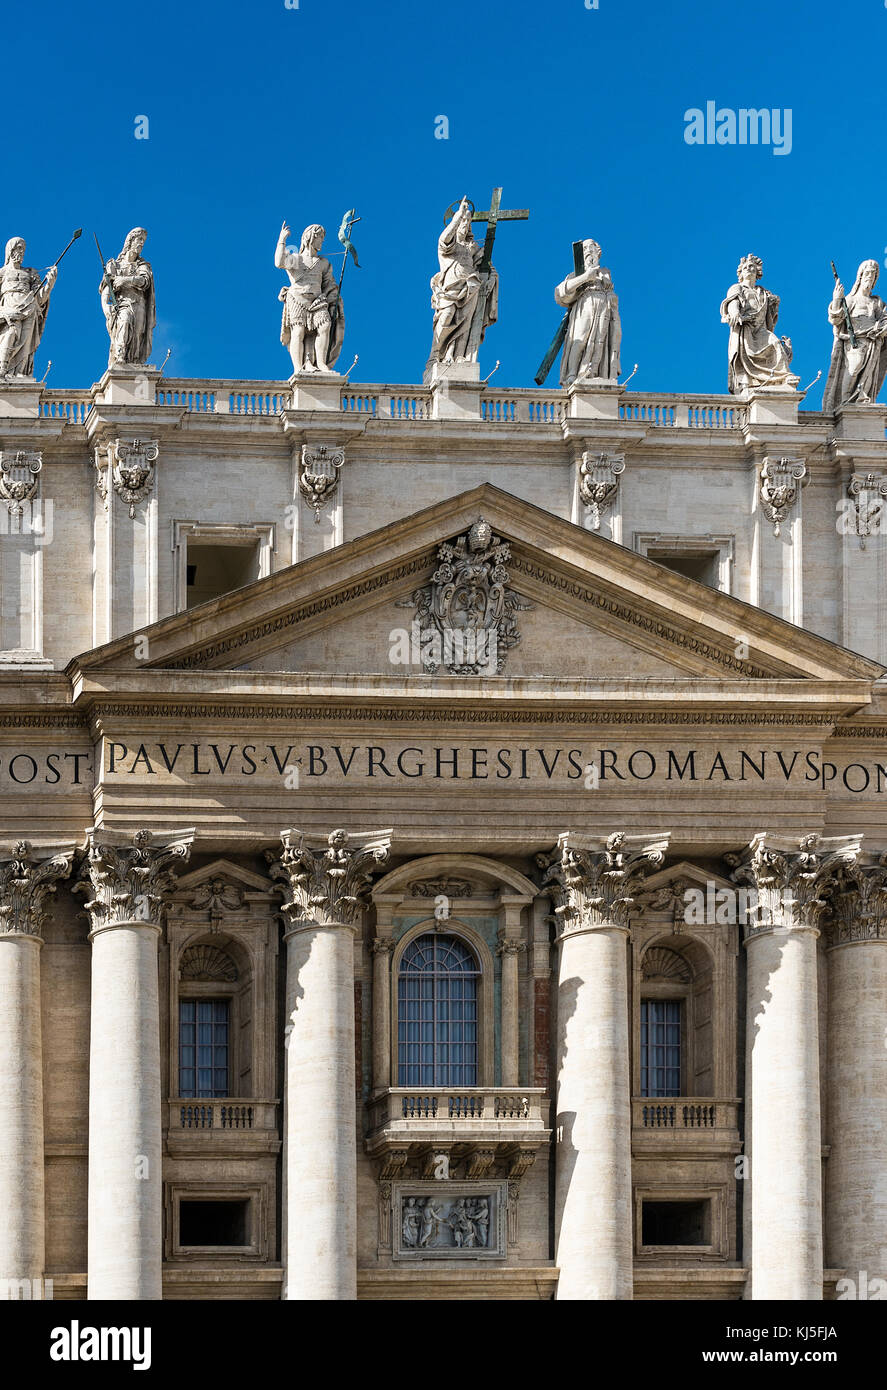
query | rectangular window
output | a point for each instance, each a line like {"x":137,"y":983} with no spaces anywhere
{"x":676,"y":1223}
{"x":214,"y":1223}
{"x":203,"y":1047}
{"x":661,"y":1047}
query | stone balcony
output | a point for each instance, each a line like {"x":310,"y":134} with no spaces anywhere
{"x":682,"y":1124}
{"x":478,"y":1129}
{"x":228,"y":1125}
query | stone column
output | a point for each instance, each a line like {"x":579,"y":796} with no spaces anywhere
{"x":856,"y":1189}
{"x":783,"y":1132}
{"x":593,"y":887}
{"x":25,"y":884}
{"x":509,"y":951}
{"x":382,"y":948}
{"x":125,"y":878}
{"x":326,"y":885}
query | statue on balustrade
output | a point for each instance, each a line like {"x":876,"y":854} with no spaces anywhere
{"x":464,"y":293}
{"x":313,"y":325}
{"x":858,"y":367}
{"x":592,"y":328}
{"x":127,"y":295}
{"x":24,"y":303}
{"x":756,"y":356}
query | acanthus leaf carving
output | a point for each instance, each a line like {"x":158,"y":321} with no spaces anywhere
{"x":793,"y":878}
{"x":26,"y":881}
{"x":597,"y":884}
{"x":129,"y":876}
{"x":328,"y":884}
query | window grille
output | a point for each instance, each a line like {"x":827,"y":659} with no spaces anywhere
{"x":661,"y":1047}
{"x":437,"y":1013}
{"x":203,"y":1047}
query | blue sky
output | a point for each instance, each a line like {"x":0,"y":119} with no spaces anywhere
{"x":260,"y":112}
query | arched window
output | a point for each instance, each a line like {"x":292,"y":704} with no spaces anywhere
{"x":437,"y":1013}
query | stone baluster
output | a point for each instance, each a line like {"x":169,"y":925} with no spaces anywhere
{"x":327,"y":884}
{"x":26,"y":881}
{"x":125,"y":878}
{"x":856,"y":1188}
{"x":593,"y":886}
{"x":783,"y":1132}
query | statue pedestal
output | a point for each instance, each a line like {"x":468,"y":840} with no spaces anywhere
{"x":594,"y":399}
{"x":130,"y":384}
{"x":863,"y":422}
{"x":20,"y":398}
{"x":772,"y":405}
{"x":316,"y":390}
{"x":455,"y":390}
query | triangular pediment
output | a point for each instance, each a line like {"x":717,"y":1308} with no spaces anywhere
{"x":586,"y":610}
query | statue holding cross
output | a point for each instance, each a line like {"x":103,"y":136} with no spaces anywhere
{"x":465,"y":290}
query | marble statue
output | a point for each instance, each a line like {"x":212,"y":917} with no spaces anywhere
{"x":127,"y":294}
{"x":593,"y":329}
{"x":756,"y":356}
{"x":313,"y":324}
{"x":856,"y":374}
{"x":24,"y":303}
{"x":460,"y":292}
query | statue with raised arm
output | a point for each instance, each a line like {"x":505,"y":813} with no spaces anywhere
{"x":756,"y":357}
{"x":313,"y":324}
{"x":24,"y":303}
{"x":127,"y":293}
{"x":858,"y":367}
{"x":593,"y":328}
{"x":461,"y":290}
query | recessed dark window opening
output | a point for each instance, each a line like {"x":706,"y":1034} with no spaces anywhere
{"x":214,"y":1223}
{"x":699,"y":565}
{"x":675,"y":1223}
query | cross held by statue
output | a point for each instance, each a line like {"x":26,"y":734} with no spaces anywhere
{"x":493,"y":216}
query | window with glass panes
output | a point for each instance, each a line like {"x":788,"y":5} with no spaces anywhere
{"x":661,"y":1047}
{"x":437,"y":1013}
{"x":203,"y":1047}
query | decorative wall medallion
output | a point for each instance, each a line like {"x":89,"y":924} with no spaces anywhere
{"x":319,"y":474}
{"x":467,"y":615}
{"x":19,"y":477}
{"x":779,"y":488}
{"x":133,"y":474}
{"x":449,"y":1221}
{"x":868,"y":491}
{"x":599,"y":482}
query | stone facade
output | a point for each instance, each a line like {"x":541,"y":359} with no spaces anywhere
{"x":304,"y":682}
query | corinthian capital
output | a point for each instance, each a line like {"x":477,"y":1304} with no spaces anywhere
{"x":327,"y":883}
{"x":126,"y":876}
{"x":858,"y":902}
{"x":26,"y":881}
{"x":792,"y":877}
{"x":594,"y":883}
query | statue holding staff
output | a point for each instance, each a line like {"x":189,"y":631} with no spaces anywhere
{"x":756,"y":357}
{"x":127,"y":294}
{"x":592,"y":328}
{"x":24,"y":303}
{"x":457,"y":290}
{"x":313,"y":324}
{"x":859,"y":353}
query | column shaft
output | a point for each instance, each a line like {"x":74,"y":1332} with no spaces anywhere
{"x":510,"y":1033}
{"x":320,"y":1239}
{"x":783,"y":1128}
{"x":125,"y":1115}
{"x":382,"y":1016}
{"x":21,"y":1109}
{"x":593,"y":1173}
{"x":856,"y":1207}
